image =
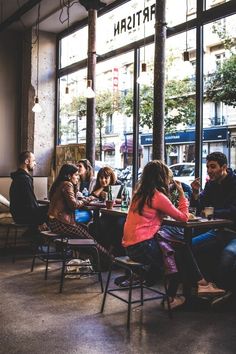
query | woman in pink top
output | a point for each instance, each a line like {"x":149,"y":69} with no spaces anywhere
{"x":150,"y":203}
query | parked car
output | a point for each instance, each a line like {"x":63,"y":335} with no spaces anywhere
{"x":185,"y":172}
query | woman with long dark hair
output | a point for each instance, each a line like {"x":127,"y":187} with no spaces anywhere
{"x":86,"y":176}
{"x":149,"y":205}
{"x":63,"y":204}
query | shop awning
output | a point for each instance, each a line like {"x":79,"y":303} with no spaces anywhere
{"x":108,"y":147}
{"x":127,"y":147}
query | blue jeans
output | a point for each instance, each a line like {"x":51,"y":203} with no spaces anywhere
{"x":213,"y":237}
{"x":227,"y":267}
{"x":148,"y":252}
{"x":217,"y":250}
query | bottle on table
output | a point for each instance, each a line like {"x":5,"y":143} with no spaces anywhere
{"x":124,"y":198}
{"x":85,"y":192}
{"x":109,"y":194}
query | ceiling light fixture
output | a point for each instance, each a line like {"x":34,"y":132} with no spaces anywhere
{"x":89,"y":93}
{"x":37,"y":108}
{"x":67,"y":97}
{"x":188,"y":68}
{"x":186,"y":52}
{"x":144,"y":78}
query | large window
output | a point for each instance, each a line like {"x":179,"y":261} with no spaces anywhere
{"x":133,"y":24}
{"x":73,"y":47}
{"x":214,"y":3}
{"x":219,"y":112}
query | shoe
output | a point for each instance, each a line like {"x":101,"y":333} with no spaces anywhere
{"x":209,"y":290}
{"x":220,"y":300}
{"x":177,"y":301}
{"x":121,"y":279}
{"x":126,"y":283}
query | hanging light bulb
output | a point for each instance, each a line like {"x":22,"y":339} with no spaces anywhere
{"x":187,"y":66}
{"x":143,"y":78}
{"x":67,"y":97}
{"x":36,"y":108}
{"x":89,"y":93}
{"x":186,"y":56}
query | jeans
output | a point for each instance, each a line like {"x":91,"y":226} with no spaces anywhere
{"x":216,"y":252}
{"x":213,"y":237}
{"x":227,"y":267}
{"x":149,"y":253}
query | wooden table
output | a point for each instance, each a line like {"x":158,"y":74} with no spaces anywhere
{"x":115,"y":211}
{"x":189,"y":226}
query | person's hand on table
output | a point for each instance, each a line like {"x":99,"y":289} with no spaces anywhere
{"x":191,"y":216}
{"x":88,"y":200}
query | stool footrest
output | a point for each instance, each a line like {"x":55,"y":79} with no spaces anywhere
{"x":157,"y":297}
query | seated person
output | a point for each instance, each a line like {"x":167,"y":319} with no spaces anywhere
{"x":86,"y":176}
{"x":108,"y":229}
{"x":63,"y":204}
{"x":105,"y":177}
{"x":150,"y":203}
{"x":220,"y":193}
{"x":24,"y":206}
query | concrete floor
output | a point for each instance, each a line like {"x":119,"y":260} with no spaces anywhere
{"x":36,"y":319}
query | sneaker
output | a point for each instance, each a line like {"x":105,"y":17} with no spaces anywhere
{"x":220,"y":300}
{"x":209,"y":290}
{"x":177,"y":301}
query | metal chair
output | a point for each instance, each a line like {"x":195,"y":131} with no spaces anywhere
{"x":44,"y":253}
{"x":76,"y":245}
{"x":131,"y":268}
{"x":12,"y":226}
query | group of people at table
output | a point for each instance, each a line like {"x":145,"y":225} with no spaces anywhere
{"x":144,"y":237}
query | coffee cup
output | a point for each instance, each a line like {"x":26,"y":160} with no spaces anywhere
{"x":109,"y":204}
{"x":208,"y":212}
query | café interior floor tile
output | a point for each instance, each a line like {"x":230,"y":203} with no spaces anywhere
{"x":36,"y":319}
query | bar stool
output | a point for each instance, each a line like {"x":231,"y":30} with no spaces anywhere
{"x":44,"y":253}
{"x":131,"y":268}
{"x":76,"y":245}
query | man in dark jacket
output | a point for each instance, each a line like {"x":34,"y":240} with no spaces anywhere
{"x":220,"y":193}
{"x":23,"y":203}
